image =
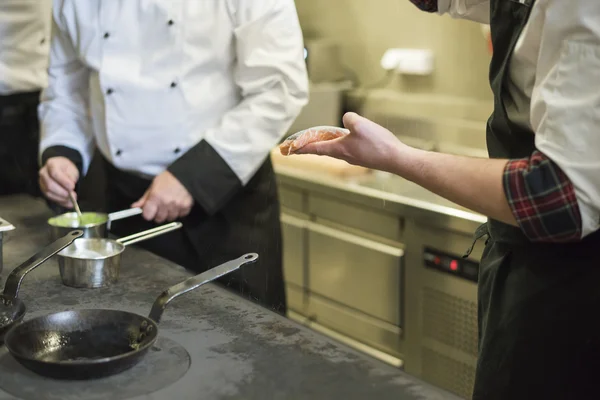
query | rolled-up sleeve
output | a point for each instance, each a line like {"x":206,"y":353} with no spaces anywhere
{"x":272,"y":78}
{"x":63,"y":111}
{"x":555,"y":194}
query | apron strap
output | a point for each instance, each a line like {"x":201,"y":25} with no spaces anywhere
{"x":480,"y":232}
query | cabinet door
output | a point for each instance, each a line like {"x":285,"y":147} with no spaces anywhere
{"x":358,"y":273}
{"x":294,"y":249}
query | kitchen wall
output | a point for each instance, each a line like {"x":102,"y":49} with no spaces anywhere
{"x":447,"y":108}
{"x":366,"y":28}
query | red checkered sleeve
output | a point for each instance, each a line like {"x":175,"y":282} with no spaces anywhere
{"x":542,"y":199}
{"x":426,"y":5}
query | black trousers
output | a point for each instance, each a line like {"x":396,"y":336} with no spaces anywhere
{"x":248,"y":223}
{"x":19,"y":140}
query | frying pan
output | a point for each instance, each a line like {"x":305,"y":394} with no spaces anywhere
{"x":84,"y":344}
{"x":93,"y":224}
{"x":12,"y":309}
{"x":95,"y":262}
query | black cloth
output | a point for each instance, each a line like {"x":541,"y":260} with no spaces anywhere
{"x":248,"y":222}
{"x":539,"y":333}
{"x":19,"y":140}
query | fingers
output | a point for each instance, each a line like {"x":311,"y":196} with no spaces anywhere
{"x":140,"y":203}
{"x":53,"y":190}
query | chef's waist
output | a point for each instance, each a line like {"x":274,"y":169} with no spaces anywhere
{"x":20,"y":98}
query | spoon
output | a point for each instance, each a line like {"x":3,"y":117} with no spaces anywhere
{"x":77,"y":210}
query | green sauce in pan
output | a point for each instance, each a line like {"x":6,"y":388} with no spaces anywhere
{"x":70,"y":220}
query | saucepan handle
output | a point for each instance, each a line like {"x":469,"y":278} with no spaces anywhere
{"x":114,"y":216}
{"x":13,"y":282}
{"x":149,"y":234}
{"x":195,"y":282}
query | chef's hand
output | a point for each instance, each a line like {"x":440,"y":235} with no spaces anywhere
{"x":165,"y":200}
{"x":368,"y":144}
{"x":57,"y":178}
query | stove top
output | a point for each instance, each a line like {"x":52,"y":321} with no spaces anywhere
{"x":163,"y":365}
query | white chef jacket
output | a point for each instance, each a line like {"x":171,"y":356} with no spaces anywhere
{"x":24,"y":45}
{"x":556,"y":68}
{"x":147,"y":80}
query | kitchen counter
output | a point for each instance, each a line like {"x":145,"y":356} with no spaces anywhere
{"x":380,"y":190}
{"x":233,"y":348}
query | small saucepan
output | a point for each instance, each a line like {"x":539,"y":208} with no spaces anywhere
{"x":93,"y":224}
{"x":96,"y":262}
{"x":12,"y":309}
{"x":94,"y":343}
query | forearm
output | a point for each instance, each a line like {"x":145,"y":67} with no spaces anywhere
{"x":474,"y":183}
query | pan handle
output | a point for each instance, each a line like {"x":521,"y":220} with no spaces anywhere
{"x":117,"y":215}
{"x":149,"y":234}
{"x":195,"y":282}
{"x":13,"y":282}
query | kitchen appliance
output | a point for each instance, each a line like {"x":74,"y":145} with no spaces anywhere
{"x":93,"y":224}
{"x":12,"y":309}
{"x":96,"y":262}
{"x":4,"y":227}
{"x":96,"y":343}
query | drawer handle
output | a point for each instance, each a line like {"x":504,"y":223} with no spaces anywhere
{"x":357,"y":240}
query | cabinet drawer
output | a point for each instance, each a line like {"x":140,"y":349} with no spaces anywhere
{"x":356,"y":217}
{"x":294,"y":249}
{"x":291,"y":198}
{"x":356,"y":272}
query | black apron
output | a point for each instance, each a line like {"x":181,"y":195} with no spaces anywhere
{"x":539,"y":304}
{"x":19,"y":141}
{"x":247,"y":223}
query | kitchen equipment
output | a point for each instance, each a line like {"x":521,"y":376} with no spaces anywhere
{"x":4,"y":227}
{"x":93,"y":224}
{"x":95,"y":262}
{"x":12,"y":309}
{"x":83,"y":344}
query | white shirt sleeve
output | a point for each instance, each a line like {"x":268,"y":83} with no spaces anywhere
{"x":566,"y":109}
{"x":63,"y":109}
{"x":474,"y":10}
{"x":272,"y":78}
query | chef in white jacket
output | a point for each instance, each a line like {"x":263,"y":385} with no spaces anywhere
{"x":184,"y":100}
{"x":24,"y":46}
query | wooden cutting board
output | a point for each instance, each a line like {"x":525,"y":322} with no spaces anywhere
{"x":310,"y":162}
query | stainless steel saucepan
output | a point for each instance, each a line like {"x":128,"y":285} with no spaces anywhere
{"x":95,"y":262}
{"x":93,"y":224}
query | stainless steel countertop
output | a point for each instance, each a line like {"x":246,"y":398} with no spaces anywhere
{"x":238,"y":350}
{"x":379,"y":189}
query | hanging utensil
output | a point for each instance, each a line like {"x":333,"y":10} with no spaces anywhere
{"x":84,"y":344}
{"x":12,"y":309}
{"x":93,"y":224}
{"x":96,"y":262}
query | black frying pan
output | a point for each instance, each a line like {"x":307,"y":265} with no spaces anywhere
{"x":84,"y":344}
{"x":12,"y":309}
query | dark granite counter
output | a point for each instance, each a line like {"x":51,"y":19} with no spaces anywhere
{"x":212,"y":345}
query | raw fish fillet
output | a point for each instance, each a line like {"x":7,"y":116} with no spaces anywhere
{"x":316,"y":134}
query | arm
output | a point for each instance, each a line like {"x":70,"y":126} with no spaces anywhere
{"x":63,"y":110}
{"x":474,"y":10}
{"x":271,"y":75}
{"x":532,"y":193}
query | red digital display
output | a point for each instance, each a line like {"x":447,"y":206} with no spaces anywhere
{"x":454,"y":265}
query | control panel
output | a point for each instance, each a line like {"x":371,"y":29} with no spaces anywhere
{"x":451,"y":264}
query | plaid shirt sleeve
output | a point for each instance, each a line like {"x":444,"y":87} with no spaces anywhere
{"x":542,"y":199}
{"x":426,"y":5}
